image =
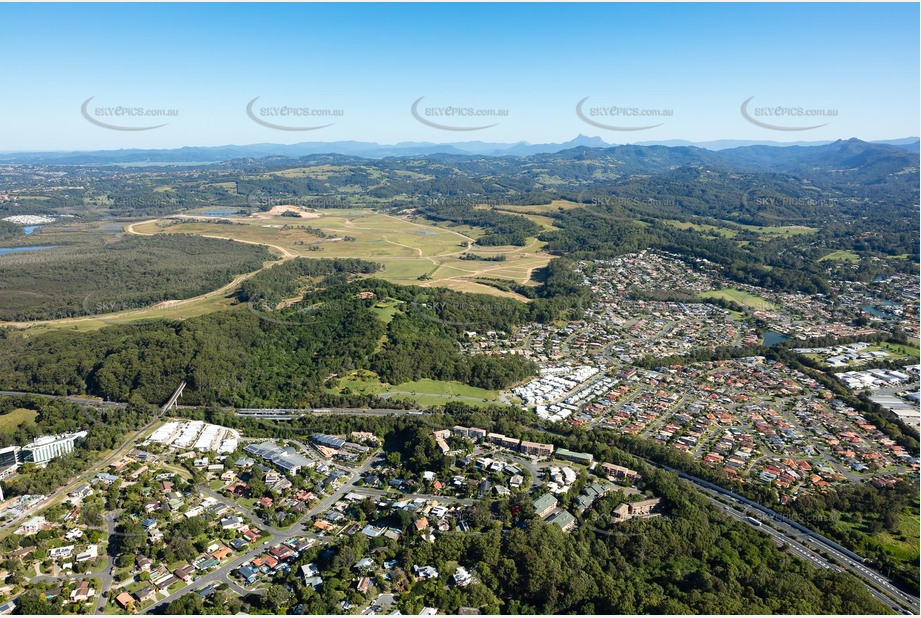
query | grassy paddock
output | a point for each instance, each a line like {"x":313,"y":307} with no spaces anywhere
{"x":741,"y":297}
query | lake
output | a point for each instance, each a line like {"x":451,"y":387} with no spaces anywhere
{"x":5,"y":250}
{"x":773,"y":338}
{"x":29,"y":229}
{"x":873,"y":311}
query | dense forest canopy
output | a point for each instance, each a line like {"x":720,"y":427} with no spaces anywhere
{"x":130,"y":273}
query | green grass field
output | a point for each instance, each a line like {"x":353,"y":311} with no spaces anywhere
{"x":702,"y":227}
{"x":445,"y":389}
{"x":385,"y":310}
{"x":785,"y":230}
{"x":743,"y":298}
{"x":413,"y":251}
{"x":11,"y":421}
{"x":897,"y":349}
{"x":902,"y":544}
{"x":426,"y":392}
{"x":846,"y":256}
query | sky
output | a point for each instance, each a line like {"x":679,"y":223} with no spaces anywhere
{"x":688,"y":68}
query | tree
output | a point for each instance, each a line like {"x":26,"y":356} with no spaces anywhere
{"x":32,"y":602}
{"x":188,"y":604}
{"x":277,"y":599}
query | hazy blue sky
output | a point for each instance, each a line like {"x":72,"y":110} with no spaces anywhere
{"x":373,"y":61}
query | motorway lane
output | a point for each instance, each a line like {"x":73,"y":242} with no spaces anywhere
{"x":73,"y":398}
{"x":800,"y":550}
{"x":875,"y":580}
{"x":871,"y":578}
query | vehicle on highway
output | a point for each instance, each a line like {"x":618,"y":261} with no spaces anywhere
{"x":753,"y":521}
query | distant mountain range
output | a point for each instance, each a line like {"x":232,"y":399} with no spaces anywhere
{"x":371,"y":150}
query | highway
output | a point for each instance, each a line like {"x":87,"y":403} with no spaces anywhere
{"x":286,"y":414}
{"x":84,"y":400}
{"x":794,"y":533}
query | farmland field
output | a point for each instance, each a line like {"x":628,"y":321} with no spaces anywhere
{"x":412,"y":251}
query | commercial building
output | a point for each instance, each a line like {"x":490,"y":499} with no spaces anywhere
{"x":327,"y":441}
{"x":9,"y":456}
{"x":288,"y":460}
{"x":42,"y":450}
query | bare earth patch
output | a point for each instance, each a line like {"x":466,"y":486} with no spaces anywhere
{"x":277,"y":211}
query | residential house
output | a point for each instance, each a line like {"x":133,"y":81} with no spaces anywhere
{"x":462,"y":577}
{"x":185,"y":572}
{"x":231,"y":523}
{"x":145,"y":594}
{"x":564,"y":519}
{"x":424,"y":572}
{"x":126,"y":602}
{"x":365,"y":565}
{"x":142,"y":563}
{"x":82,"y":593}
{"x":91,"y":553}
{"x":248,"y":574}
